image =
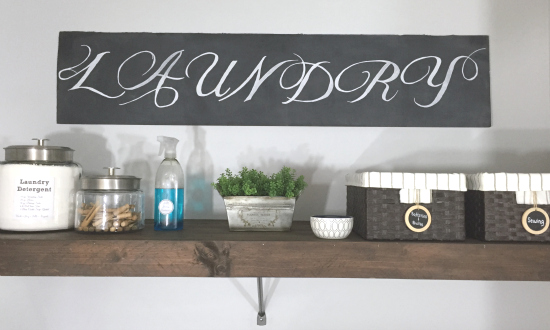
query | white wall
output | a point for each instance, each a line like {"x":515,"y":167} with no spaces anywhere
{"x":517,"y":142}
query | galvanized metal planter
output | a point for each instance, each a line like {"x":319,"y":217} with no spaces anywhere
{"x":259,"y":213}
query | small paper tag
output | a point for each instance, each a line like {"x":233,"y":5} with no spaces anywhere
{"x":166,"y":206}
{"x":418,"y":218}
{"x":535,"y":220}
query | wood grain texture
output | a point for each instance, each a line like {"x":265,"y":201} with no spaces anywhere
{"x":207,"y":248}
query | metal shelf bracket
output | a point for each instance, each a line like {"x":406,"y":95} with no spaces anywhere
{"x":262,"y":318}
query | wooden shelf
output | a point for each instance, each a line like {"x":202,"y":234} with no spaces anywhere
{"x":208,"y":248}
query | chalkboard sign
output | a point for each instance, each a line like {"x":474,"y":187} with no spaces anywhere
{"x":535,"y":221}
{"x":273,"y":79}
{"x":418,"y":218}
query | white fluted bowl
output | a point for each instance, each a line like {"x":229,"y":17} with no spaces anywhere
{"x":331,"y":226}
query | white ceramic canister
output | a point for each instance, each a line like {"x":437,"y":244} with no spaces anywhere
{"x":38,"y":184}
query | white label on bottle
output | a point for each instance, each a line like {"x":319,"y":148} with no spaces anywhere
{"x":166,"y":206}
{"x":34,"y":198}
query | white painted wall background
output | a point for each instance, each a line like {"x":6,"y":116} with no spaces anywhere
{"x":517,"y":142}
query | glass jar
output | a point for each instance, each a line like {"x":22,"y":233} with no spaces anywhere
{"x":37,"y":187}
{"x":109,"y":204}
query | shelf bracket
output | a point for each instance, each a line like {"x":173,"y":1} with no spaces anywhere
{"x":262,"y":318}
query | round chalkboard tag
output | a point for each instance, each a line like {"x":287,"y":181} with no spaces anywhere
{"x":535,"y":220}
{"x":418,"y":218}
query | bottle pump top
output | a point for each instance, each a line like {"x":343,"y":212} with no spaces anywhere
{"x":168,"y":146}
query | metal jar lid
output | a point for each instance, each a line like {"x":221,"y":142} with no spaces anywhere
{"x":109,"y":181}
{"x":39,"y":153}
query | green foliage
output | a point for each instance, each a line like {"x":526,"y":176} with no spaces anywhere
{"x":256,"y":183}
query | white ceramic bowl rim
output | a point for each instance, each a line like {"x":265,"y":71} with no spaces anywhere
{"x":332,"y":216}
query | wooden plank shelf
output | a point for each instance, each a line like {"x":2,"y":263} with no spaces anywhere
{"x":208,"y":248}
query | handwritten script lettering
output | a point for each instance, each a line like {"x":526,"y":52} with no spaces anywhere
{"x":377,"y":73}
{"x":535,"y":221}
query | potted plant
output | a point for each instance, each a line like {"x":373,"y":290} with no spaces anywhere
{"x":257,"y":202}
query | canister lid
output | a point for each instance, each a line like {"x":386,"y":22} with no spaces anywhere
{"x":109,"y":181}
{"x":39,"y":152}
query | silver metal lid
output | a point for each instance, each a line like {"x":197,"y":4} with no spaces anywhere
{"x":109,"y":181}
{"x":39,"y":153}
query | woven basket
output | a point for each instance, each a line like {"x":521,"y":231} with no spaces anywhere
{"x":495,"y":216}
{"x":379,"y":215}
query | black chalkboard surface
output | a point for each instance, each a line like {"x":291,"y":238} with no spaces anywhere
{"x":536,"y":221}
{"x":418,"y":219}
{"x":271,"y":79}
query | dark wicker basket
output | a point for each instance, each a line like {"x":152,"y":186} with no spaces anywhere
{"x":495,"y":216}
{"x":378,"y":214}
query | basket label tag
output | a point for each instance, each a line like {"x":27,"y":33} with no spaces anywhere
{"x":535,"y":220}
{"x":418,"y":218}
